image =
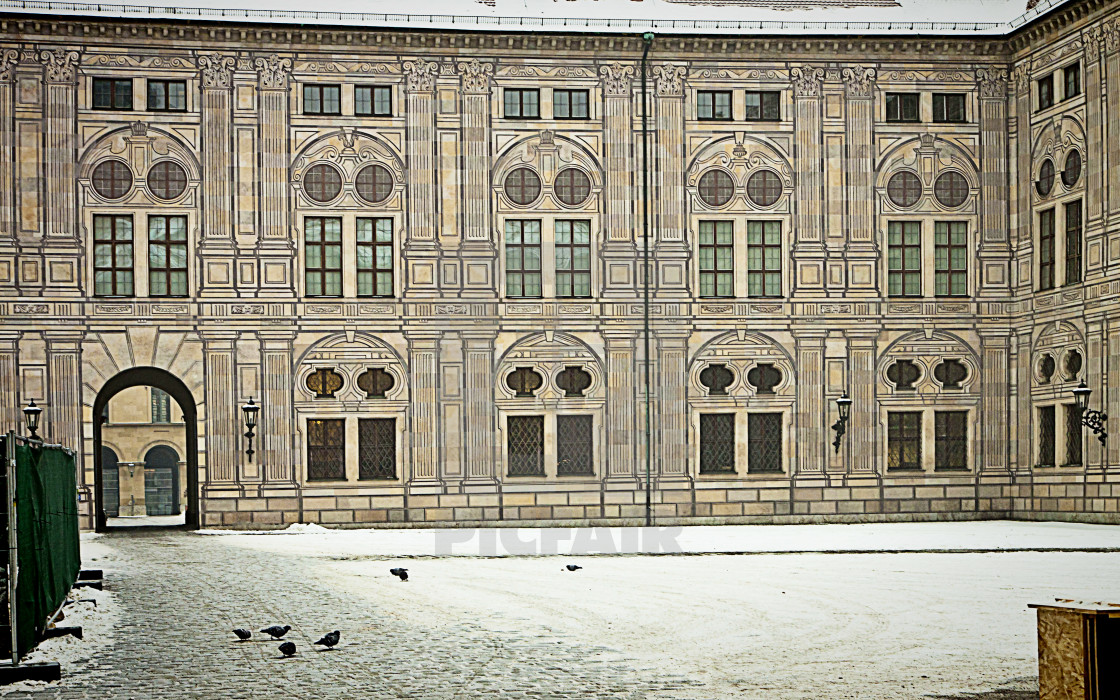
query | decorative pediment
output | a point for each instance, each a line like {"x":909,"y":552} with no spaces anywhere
{"x":547,"y":155}
{"x":742,"y":365}
{"x":570,"y":370}
{"x":348,"y":153}
{"x":159,"y":167}
{"x":946,"y":174}
{"x":748,"y":162}
{"x":930,"y":362}
{"x":357,"y":359}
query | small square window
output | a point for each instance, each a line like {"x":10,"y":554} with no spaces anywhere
{"x":948,"y":107}
{"x":713,"y":105}
{"x":167,"y":95}
{"x":763,"y":106}
{"x":1073,"y":80}
{"x":522,"y":103}
{"x":570,"y":104}
{"x":322,"y":99}
{"x":902,"y":107}
{"x":373,"y":101}
{"x":1046,"y":92}
{"x":112,"y":93}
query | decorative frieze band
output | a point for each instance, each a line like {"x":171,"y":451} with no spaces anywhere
{"x":216,"y":71}
{"x":61,"y":65}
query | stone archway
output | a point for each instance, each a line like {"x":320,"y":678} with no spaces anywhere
{"x":164,"y":380}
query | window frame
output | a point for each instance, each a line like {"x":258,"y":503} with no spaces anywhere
{"x":1047,"y":440}
{"x":374,"y":246}
{"x":1075,"y":436}
{"x":764,"y":273}
{"x":572,"y":247}
{"x":899,"y":436}
{"x":1047,"y":236}
{"x":1074,"y":242}
{"x":1073,"y":71}
{"x":1046,"y":82}
{"x":538,"y":455}
{"x":950,"y":273}
{"x":716,"y":247}
{"x":904,"y":274}
{"x":585,"y":445}
{"x":373,"y":92}
{"x":167,"y":270}
{"x":115,"y":270}
{"x":940,"y":99}
{"x":898,"y":99}
{"x":945,"y":440}
{"x":521,"y":247}
{"x":114,"y":83}
{"x":389,"y":446}
{"x":568,"y":93}
{"x":755,"y":451}
{"x":521,"y":94}
{"x":767,"y":99}
{"x":166,"y":95}
{"x":705,"y":424}
{"x":318,"y":449}
{"x":711,"y":115}
{"x":322,"y":270}
{"x":322,"y":88}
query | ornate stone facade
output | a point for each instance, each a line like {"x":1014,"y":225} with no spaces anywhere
{"x":421,"y":254}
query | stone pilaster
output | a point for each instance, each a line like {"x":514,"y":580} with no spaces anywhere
{"x":811,"y":437}
{"x":276,"y":423}
{"x":63,"y":416}
{"x":1110,"y":41}
{"x":1023,"y":417}
{"x":224,"y":449}
{"x":479,"y":450}
{"x":621,"y":412}
{"x":478,"y":248}
{"x":217,"y":275}
{"x":275,"y":246}
{"x":11,"y":410}
{"x":667,"y":151}
{"x":1095,"y":347}
{"x":421,"y":247}
{"x":860,"y":440}
{"x":63,"y":249}
{"x":994,"y":380}
{"x":423,"y":360}
{"x":9,"y":59}
{"x":672,"y":429}
{"x":994,"y":255}
{"x":1022,"y":216}
{"x":862,"y":256}
{"x":1111,"y":397}
{"x":808,"y":247}
{"x":1095,"y":128}
{"x":619,"y":250}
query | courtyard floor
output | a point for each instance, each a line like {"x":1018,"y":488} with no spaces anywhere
{"x":844,"y":612}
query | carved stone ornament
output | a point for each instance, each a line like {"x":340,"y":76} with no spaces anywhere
{"x":9,"y":58}
{"x":273,"y":72}
{"x":669,"y":80}
{"x":992,"y":81}
{"x":61,"y":65}
{"x":421,"y":75}
{"x":216,"y":71}
{"x":476,"y":76}
{"x":617,"y":79}
{"x":1020,"y":78}
{"x":858,"y":80}
{"x":806,"y":81}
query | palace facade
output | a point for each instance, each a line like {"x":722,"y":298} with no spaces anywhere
{"x":421,"y":254}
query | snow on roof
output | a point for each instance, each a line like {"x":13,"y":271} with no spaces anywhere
{"x":903,"y":17}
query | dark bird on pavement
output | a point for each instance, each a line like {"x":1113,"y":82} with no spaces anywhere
{"x":400,"y":573}
{"x":330,"y":639}
{"x":573,"y":567}
{"x":276,"y":631}
{"x":243,"y":634}
{"x":288,"y":648}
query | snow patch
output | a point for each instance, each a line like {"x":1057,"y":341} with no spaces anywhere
{"x":293,"y":529}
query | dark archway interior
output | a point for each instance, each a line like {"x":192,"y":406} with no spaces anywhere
{"x":160,"y":379}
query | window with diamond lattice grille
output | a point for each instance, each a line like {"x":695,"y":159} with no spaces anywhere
{"x":950,"y":440}
{"x":1073,"y":436}
{"x":764,"y":440}
{"x":717,"y":443}
{"x":326,"y":449}
{"x":1046,"y":437}
{"x":525,"y":445}
{"x":377,"y":448}
{"x":574,"y":445}
{"x":904,"y":440}
{"x":324,"y":382}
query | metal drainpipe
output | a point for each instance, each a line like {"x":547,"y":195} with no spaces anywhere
{"x":648,"y":39}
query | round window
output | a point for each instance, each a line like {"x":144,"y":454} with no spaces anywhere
{"x":322,"y":183}
{"x":112,"y":179}
{"x":716,"y":188}
{"x":374,"y":183}
{"x":1072,"y":172}
{"x":1045,"y":181}
{"x":167,"y":180}
{"x":951,"y":189}
{"x":904,"y":189}
{"x":764,"y":188}
{"x":523,"y":186}
{"x":572,"y":186}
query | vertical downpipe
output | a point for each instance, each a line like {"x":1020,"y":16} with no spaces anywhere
{"x":648,"y":39}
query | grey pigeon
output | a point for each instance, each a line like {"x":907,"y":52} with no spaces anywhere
{"x":330,"y":639}
{"x":573,"y":567}
{"x":288,"y":648}
{"x":243,"y":634}
{"x":276,"y":631}
{"x":401,"y":573}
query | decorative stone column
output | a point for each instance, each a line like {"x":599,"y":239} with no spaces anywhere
{"x":423,"y":360}
{"x":9,"y":59}
{"x":63,"y":248}
{"x":619,"y":251}
{"x":1024,"y":408}
{"x":64,"y":398}
{"x":1110,"y":40}
{"x":994,"y":254}
{"x":994,"y":407}
{"x":621,"y":412}
{"x":1095,"y":128}
{"x":277,"y":425}
{"x":223,"y":424}
{"x":672,"y":430}
{"x":421,"y":249}
{"x":667,"y":151}
{"x":811,"y":440}
{"x":1095,"y":348}
{"x":862,"y":254}
{"x":808,"y":247}
{"x":478,"y":252}
{"x":11,"y":410}
{"x":216,"y":248}
{"x":1023,"y":217}
{"x":1111,"y":396}
{"x":864,"y":415}
{"x":482,"y":461}
{"x":275,"y":247}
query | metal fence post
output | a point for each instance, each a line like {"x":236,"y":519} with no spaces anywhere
{"x":13,"y":542}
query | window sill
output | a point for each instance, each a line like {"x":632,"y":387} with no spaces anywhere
{"x":905,"y":470}
{"x":156,"y":110}
{"x":951,"y":470}
{"x":904,"y":121}
{"x":571,"y":119}
{"x":950,"y":121}
{"x":371,"y":114}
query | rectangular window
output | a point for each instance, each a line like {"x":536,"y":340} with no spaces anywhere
{"x":523,"y":258}
{"x":573,"y":258}
{"x":1046,"y":92}
{"x":373,"y":101}
{"x":112,"y":256}
{"x":522,"y":103}
{"x":950,"y":254}
{"x":167,"y":95}
{"x":112,"y":93}
{"x":1073,"y":80}
{"x":323,"y":256}
{"x":326,"y":449}
{"x":763,"y":106}
{"x":1073,"y":242}
{"x":902,"y":107}
{"x":904,"y":259}
{"x":1073,"y":436}
{"x":950,"y":440}
{"x":570,"y":104}
{"x":717,"y":443}
{"x":1046,"y":249}
{"x":574,"y":446}
{"x":377,"y":448}
{"x":904,"y":440}
{"x":717,"y":254}
{"x":1046,"y":438}
{"x":764,"y":440}
{"x":948,"y":107}
{"x":167,"y":256}
{"x":764,"y":258}
{"x":375,"y":257}
{"x":525,"y":444}
{"x":322,"y":99}
{"x":161,"y":406}
{"x":713,"y":104}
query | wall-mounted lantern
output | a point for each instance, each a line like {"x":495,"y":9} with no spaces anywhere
{"x":32,"y":413}
{"x":843,"y":407}
{"x":250,"y":410}
{"x":1094,"y":420}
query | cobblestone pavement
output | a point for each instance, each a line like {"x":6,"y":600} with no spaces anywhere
{"x":180,"y":596}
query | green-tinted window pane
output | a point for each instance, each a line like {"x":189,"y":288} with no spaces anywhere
{"x":157,"y":256}
{"x":314,"y":258}
{"x":178,"y":283}
{"x":563,"y":258}
{"x":513,"y":258}
{"x":365,"y":283}
{"x":332,"y":283}
{"x":385,"y":284}
{"x":103,"y":282}
{"x":912,"y":285}
{"x":157,"y":228}
{"x":533,"y":284}
{"x":754,"y":258}
{"x":103,"y":255}
{"x":124,"y":282}
{"x":124,"y":228}
{"x":707,"y":258}
{"x":123,"y":252}
{"x":773,"y":284}
{"x":384,"y":230}
{"x":157,"y":284}
{"x":723,"y":258}
{"x":384,"y":257}
{"x":333,"y":256}
{"x":724,"y":284}
{"x":532,"y":258}
{"x":513,"y":284}
{"x":513,"y":103}
{"x":707,"y":284}
{"x":365,"y":257}
{"x":513,"y":232}
{"x":581,"y":259}
{"x":364,"y":230}
{"x":581,"y":284}
{"x":363,"y":100}
{"x":894,"y":284}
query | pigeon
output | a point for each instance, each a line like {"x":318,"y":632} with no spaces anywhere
{"x":573,"y":567}
{"x":243,"y":634}
{"x":276,"y":631}
{"x":288,"y":648}
{"x":330,"y":639}
{"x":402,"y":573}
